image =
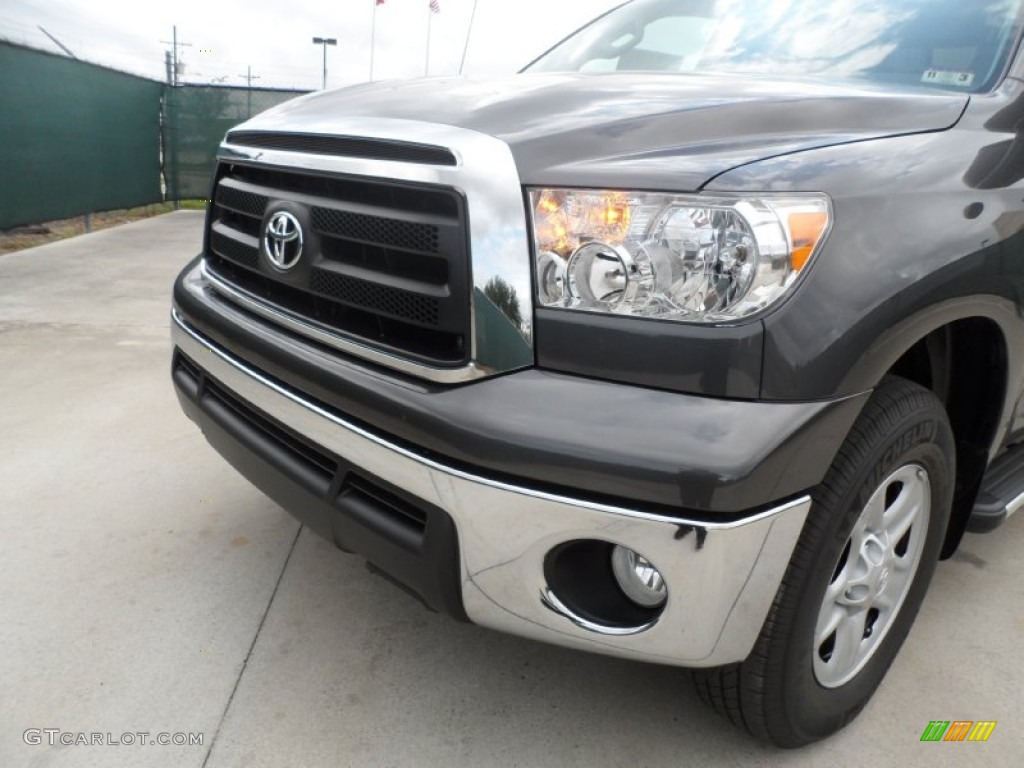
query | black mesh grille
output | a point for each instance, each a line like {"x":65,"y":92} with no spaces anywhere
{"x":376,"y":229}
{"x":241,"y":201}
{"x":229,"y":248}
{"x":347,"y":146}
{"x":384,"y":262}
{"x":437,"y":202}
{"x":381,"y":298}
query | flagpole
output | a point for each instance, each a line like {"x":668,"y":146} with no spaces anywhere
{"x":469,"y":31}
{"x":373,"y":37}
{"x":430,"y":24}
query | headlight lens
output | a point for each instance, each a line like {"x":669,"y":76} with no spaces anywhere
{"x":691,"y":258}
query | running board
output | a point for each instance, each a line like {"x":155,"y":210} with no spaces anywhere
{"x":1002,"y":492}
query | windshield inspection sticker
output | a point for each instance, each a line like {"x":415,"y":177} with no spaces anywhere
{"x":945,"y":77}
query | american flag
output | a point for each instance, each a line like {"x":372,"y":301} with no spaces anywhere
{"x":435,"y":6}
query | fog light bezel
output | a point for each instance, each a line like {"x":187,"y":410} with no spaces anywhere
{"x":579,"y":575}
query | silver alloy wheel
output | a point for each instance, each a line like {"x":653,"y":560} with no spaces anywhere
{"x":873,"y":575}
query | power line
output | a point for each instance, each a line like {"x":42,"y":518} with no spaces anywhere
{"x":132,"y":61}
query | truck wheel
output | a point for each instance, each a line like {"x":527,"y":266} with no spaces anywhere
{"x":857,"y":577}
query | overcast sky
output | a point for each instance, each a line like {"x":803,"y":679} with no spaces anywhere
{"x":275,"y":37}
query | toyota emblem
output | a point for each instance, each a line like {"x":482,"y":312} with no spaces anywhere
{"x":282,"y":240}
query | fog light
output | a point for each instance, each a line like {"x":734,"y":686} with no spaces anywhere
{"x":638,"y":578}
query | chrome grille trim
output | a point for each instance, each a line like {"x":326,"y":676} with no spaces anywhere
{"x":485,"y":175}
{"x":353,"y":146}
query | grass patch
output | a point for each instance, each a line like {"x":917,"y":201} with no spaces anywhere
{"x":39,"y":234}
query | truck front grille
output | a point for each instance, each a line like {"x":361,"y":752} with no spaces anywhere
{"x":385,"y":263}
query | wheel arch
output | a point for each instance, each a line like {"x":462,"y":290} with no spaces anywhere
{"x":965,"y":352}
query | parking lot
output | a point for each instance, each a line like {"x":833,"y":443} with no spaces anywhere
{"x":145,"y":587}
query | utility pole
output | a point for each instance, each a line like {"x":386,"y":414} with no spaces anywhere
{"x":175,"y":45}
{"x":173,"y":121}
{"x":249,"y":77}
{"x":325,"y":41}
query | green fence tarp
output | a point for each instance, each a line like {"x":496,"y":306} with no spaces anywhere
{"x":74,"y":138}
{"x":77,"y":138}
{"x":198,"y":116}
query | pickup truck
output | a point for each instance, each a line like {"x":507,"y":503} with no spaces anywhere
{"x":698,"y":342}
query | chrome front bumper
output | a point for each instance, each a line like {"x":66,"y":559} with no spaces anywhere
{"x":721,"y":578}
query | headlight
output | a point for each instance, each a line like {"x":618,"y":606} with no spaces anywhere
{"x":693,"y":258}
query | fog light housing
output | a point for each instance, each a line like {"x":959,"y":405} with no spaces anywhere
{"x":637,"y":577}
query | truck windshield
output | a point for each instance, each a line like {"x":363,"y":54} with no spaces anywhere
{"x":953,"y":44}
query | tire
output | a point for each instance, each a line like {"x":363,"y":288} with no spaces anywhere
{"x":854,"y":569}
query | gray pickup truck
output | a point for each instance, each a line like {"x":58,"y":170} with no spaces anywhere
{"x":698,"y":342}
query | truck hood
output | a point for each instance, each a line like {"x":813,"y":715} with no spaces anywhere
{"x":649,"y":131}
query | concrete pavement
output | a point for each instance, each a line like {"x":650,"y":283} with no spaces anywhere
{"x":145,"y":587}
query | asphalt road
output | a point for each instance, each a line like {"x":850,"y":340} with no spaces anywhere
{"x":145,"y":587}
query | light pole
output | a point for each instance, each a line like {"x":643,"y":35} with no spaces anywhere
{"x":325,"y":41}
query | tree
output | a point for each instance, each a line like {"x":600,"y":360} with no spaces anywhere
{"x":504,"y":298}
